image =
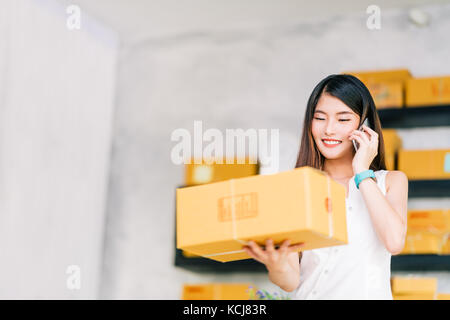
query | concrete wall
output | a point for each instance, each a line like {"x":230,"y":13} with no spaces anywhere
{"x":236,"y":77}
{"x":56,"y":106}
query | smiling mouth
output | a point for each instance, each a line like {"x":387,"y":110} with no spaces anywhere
{"x":331,"y":142}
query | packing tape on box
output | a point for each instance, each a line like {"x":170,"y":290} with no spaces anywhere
{"x":329,"y":210}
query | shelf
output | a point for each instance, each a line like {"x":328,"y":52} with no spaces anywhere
{"x":420,"y":262}
{"x":412,"y":262}
{"x":429,"y":188}
{"x":412,"y":117}
{"x":208,"y":265}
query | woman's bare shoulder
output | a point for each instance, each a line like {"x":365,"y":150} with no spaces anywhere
{"x":396,"y":178}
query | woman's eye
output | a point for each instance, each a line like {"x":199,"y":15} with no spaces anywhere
{"x":319,"y":118}
{"x":344,"y":119}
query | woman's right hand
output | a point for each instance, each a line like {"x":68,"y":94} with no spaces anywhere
{"x":275,"y":260}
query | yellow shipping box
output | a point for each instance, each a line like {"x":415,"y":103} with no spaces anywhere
{"x":437,"y":220}
{"x":414,"y":285}
{"x":443,"y":296}
{"x":392,"y":141}
{"x":428,"y":296}
{"x":203,"y":172}
{"x":446,"y":244}
{"x":304,"y":205}
{"x":401,"y":75}
{"x":427,"y":91}
{"x":423,"y":243}
{"x":392,"y":144}
{"x":387,"y":94}
{"x":216,"y":291}
{"x":387,"y":87}
{"x":425,"y":164}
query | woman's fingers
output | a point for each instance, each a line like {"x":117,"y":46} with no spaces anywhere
{"x":357,"y":138}
{"x":285,"y":245}
{"x":259,"y":253}
{"x":250,"y":252}
{"x":269,"y":246}
{"x":370,"y":131}
{"x":363,"y":135}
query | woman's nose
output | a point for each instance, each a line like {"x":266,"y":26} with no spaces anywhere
{"x":329,"y":129}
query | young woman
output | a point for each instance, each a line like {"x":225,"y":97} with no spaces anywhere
{"x":376,"y":200}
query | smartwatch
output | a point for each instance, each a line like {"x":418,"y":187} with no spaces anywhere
{"x":363,"y":175}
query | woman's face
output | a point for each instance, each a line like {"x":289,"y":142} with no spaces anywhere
{"x":332,"y":124}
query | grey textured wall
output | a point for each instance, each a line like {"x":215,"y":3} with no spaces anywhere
{"x":237,"y":78}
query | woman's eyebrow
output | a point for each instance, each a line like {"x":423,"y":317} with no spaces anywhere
{"x":341,"y":112}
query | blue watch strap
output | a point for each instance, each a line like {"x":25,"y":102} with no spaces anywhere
{"x":363,"y":175}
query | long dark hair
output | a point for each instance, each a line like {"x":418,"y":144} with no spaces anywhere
{"x":351,"y":91}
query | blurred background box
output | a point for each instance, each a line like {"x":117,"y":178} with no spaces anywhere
{"x":423,"y":296}
{"x":387,"y":94}
{"x":401,"y":75}
{"x":414,"y":286}
{"x":392,"y":144}
{"x":429,"y":220}
{"x":303,"y":205}
{"x":423,"y":242}
{"x":443,"y":296}
{"x":425,"y":164}
{"x":216,"y":291}
{"x":196,"y":174}
{"x":387,"y":87}
{"x":427,"y":91}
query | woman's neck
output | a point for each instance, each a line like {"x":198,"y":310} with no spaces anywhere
{"x":339,"y":168}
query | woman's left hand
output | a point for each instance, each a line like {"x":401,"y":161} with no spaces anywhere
{"x":367,"y":151}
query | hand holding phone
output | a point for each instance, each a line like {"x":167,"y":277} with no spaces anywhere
{"x":365,"y":123}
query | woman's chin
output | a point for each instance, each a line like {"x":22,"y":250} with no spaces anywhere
{"x":333,"y":154}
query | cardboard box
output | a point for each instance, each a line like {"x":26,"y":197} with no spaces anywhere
{"x":423,"y":243}
{"x":392,"y":144}
{"x":304,"y":205}
{"x":400,"y":75}
{"x":443,"y":296}
{"x":387,"y":94}
{"x":414,"y":286}
{"x":392,"y":141}
{"x":387,"y":87}
{"x":427,"y":91}
{"x":446,"y":244}
{"x":196,"y":174}
{"x":437,"y":220}
{"x":216,"y":291}
{"x":428,"y":296}
{"x":425,"y":164}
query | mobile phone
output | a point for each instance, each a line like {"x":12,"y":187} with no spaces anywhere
{"x":365,"y":123}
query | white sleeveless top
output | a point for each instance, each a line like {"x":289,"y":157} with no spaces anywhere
{"x":358,"y":270}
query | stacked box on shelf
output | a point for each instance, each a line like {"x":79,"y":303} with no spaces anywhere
{"x":216,"y":291}
{"x":303,"y":205}
{"x":427,"y":91}
{"x":425,"y":164}
{"x":209,"y":172}
{"x":443,"y":296}
{"x":387,"y":87}
{"x":427,"y":232}
{"x":392,"y":144}
{"x":414,"y":288}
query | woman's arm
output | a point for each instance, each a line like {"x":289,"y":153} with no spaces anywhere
{"x":388,"y":213}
